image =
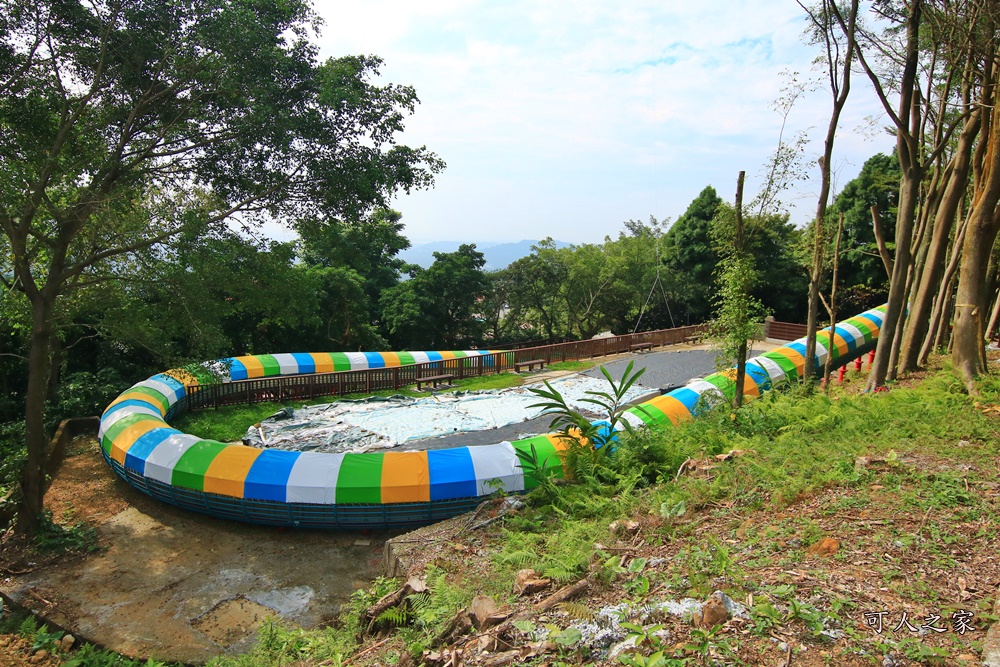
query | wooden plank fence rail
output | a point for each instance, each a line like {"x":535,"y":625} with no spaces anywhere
{"x":784,"y":330}
{"x":301,"y":387}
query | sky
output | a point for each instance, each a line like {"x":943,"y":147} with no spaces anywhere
{"x":565,"y":118}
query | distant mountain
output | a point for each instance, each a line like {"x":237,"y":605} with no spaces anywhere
{"x":498,"y":255}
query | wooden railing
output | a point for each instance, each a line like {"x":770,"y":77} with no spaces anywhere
{"x":300,"y":387}
{"x":784,"y":330}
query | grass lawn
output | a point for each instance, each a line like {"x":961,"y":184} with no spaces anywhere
{"x":815,"y":513}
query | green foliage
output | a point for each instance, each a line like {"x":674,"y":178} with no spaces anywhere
{"x":12,"y":453}
{"x":83,"y":394}
{"x":178,"y":117}
{"x":78,"y":538}
{"x":876,"y":185}
{"x":436,"y":308}
{"x":690,"y":258}
{"x":738,"y":313}
{"x":350,"y":264}
{"x":576,"y":427}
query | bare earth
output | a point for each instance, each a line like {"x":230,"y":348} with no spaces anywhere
{"x":175,"y":585}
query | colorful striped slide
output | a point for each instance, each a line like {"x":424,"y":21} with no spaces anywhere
{"x":387,"y":489}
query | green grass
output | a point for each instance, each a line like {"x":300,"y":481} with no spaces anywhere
{"x":800,"y":446}
{"x":572,"y":365}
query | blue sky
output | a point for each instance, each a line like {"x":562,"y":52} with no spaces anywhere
{"x":563,"y":119}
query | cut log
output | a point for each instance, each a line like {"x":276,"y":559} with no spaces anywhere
{"x":563,"y":594}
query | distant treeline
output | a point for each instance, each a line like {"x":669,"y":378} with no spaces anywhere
{"x":343,"y":287}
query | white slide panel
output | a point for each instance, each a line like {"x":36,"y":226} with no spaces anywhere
{"x":497,"y":461}
{"x":314,"y":479}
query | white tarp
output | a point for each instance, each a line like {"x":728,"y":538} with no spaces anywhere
{"x":349,"y":426}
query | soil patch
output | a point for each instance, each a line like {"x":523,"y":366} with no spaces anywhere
{"x":175,"y":585}
{"x":232,"y":620}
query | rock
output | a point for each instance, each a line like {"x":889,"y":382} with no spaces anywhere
{"x":66,"y":643}
{"x":527,"y":582}
{"x":39,"y":657}
{"x":415,"y":585}
{"x":991,"y":647}
{"x":825,"y":547}
{"x":712,"y":613}
{"x":624,"y":526}
{"x":481,"y":609}
{"x":628,"y":644}
{"x":735,"y":609}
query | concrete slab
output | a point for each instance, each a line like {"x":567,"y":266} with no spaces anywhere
{"x":178,"y":586}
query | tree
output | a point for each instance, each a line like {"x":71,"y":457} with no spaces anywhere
{"x":438,"y":308}
{"x":533,"y":291}
{"x":864,"y":273}
{"x":121,"y":126}
{"x":499,"y":318}
{"x":352,"y":263}
{"x":636,"y":295}
{"x":689,"y":257}
{"x":968,"y":354}
{"x":738,"y":315}
{"x":923,"y":51}
{"x":838,"y":70}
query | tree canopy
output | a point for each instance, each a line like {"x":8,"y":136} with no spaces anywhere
{"x":123,"y":126}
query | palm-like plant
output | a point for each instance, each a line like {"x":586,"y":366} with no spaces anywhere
{"x":575,"y":426}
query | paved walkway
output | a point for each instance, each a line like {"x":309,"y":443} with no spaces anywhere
{"x":666,"y":367}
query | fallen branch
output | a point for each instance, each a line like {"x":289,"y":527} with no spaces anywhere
{"x":680,"y":470}
{"x":479,"y":509}
{"x":368,"y":650}
{"x":920,"y":529}
{"x":483,"y":524}
{"x":563,"y":594}
{"x":394,"y":599}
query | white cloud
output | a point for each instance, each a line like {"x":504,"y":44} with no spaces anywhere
{"x":563,"y":118}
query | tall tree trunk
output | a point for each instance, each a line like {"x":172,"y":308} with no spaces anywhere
{"x":840,"y":90}
{"x":912,"y":170}
{"x":908,"y":191}
{"x":833,"y":303}
{"x":36,"y":440}
{"x":920,"y":307}
{"x":984,"y":223}
{"x":941,"y":312}
{"x":741,"y":354}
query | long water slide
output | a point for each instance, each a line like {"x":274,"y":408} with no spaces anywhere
{"x":385,"y":489}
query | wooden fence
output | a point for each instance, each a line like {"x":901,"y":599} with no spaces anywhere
{"x":784,"y":330}
{"x":300,"y":387}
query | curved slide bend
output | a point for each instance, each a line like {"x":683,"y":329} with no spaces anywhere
{"x":386,"y":489}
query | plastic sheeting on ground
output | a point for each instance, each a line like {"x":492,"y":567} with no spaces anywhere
{"x":373,"y":424}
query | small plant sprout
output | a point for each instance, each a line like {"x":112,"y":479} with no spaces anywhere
{"x":577,"y":427}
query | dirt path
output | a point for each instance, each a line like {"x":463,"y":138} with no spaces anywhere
{"x":178,"y":586}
